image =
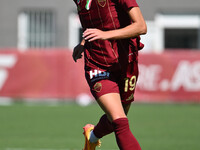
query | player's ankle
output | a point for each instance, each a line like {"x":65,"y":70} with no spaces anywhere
{"x":93,"y":138}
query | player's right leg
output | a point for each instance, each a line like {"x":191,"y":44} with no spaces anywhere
{"x":104,"y":126}
{"x":111,"y":104}
{"x":88,"y":144}
{"x":107,"y":93}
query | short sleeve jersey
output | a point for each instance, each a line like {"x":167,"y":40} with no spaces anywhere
{"x":107,"y":15}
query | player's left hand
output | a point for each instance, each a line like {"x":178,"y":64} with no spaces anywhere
{"x":94,"y":34}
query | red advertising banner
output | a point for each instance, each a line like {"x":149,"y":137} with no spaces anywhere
{"x":42,"y":74}
{"x":169,"y":76}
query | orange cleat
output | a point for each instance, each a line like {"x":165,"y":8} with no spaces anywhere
{"x":88,"y":145}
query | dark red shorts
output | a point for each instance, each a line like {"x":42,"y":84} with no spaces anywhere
{"x":120,"y":80}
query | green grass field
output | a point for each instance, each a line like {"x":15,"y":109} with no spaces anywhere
{"x":59,"y":127}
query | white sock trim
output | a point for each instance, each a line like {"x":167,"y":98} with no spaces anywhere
{"x":93,"y":138}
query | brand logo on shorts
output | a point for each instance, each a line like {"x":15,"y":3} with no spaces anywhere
{"x":130,"y":97}
{"x":102,"y":3}
{"x":97,"y":87}
{"x":98,"y":75}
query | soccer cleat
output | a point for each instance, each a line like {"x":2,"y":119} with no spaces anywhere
{"x":88,"y":145}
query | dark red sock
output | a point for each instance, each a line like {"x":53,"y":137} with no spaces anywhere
{"x":103,"y":127}
{"x":124,"y":137}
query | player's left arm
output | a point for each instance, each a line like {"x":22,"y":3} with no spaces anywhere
{"x":138,"y":27}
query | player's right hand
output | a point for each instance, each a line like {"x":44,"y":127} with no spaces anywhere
{"x":77,"y":52}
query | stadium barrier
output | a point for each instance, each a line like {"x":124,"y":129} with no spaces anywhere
{"x":43,"y":74}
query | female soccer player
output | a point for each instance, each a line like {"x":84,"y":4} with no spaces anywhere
{"x":110,"y":43}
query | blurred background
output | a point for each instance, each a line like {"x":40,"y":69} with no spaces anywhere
{"x":45,"y":100}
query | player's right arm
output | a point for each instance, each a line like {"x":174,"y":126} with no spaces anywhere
{"x":78,"y":50}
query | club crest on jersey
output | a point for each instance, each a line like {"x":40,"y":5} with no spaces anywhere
{"x":97,"y":87}
{"x":102,"y":3}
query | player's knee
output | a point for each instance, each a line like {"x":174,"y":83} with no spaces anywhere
{"x":119,"y":116}
{"x":120,"y":123}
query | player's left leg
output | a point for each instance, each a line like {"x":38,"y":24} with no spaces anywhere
{"x":111,"y":104}
{"x":104,"y":127}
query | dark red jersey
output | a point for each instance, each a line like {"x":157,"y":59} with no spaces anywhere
{"x":107,"y":15}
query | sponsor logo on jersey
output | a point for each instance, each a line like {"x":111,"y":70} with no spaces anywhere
{"x":102,"y":3}
{"x":130,"y":97}
{"x":97,"y":87}
{"x":98,"y":75}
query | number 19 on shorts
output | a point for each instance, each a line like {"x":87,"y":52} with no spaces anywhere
{"x":130,"y":84}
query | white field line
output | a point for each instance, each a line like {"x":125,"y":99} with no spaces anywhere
{"x":35,"y":149}
{"x":46,"y":149}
